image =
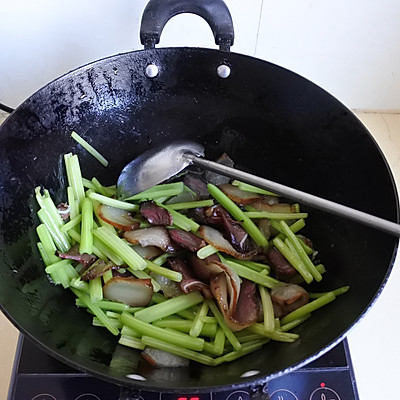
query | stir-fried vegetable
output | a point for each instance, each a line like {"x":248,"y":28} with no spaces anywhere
{"x":205,"y":272}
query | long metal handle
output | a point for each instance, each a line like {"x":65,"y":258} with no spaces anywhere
{"x":302,"y":197}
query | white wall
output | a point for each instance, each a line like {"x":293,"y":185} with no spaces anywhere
{"x":349,"y":47}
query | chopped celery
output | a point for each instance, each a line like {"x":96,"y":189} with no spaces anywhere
{"x":309,"y":307}
{"x":131,"y":341}
{"x":293,"y":259}
{"x":174,"y":349}
{"x":179,"y":339}
{"x":190,"y":204}
{"x":246,"y":187}
{"x":198,"y":321}
{"x":120,"y":247}
{"x":300,"y":251}
{"x":90,"y":149}
{"x":273,"y":215}
{"x":223,"y":325}
{"x":248,"y":225}
{"x":166,"y":272}
{"x":268,"y":309}
{"x":97,"y":311}
{"x":206,"y":251}
{"x":169,"y":307}
{"x":167,"y":189}
{"x":252,"y":275}
{"x":86,"y":245}
{"x":123,"y":205}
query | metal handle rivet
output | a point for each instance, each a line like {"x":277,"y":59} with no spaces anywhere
{"x":151,"y":71}
{"x":223,"y":71}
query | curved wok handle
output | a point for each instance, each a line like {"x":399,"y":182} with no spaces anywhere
{"x":158,"y":12}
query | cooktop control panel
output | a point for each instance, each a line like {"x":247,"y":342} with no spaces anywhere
{"x":328,"y":378}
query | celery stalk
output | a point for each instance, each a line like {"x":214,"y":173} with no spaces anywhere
{"x":86,"y":245}
{"x":90,"y":149}
{"x":169,"y":307}
{"x":179,"y":339}
{"x":174,"y":349}
{"x":248,"y":225}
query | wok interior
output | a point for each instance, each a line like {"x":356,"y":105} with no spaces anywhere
{"x":270,"y":121}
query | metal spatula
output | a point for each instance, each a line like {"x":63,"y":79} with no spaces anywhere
{"x":159,"y":164}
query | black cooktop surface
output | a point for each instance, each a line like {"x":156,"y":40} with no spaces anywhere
{"x":38,"y":376}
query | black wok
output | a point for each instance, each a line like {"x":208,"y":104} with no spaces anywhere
{"x":271,"y":121}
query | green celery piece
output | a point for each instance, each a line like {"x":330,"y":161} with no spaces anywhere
{"x":74,"y":176}
{"x":180,"y":220}
{"x":268,"y":309}
{"x":293,"y":259}
{"x":206,"y":251}
{"x":248,"y":225}
{"x":272,"y":215}
{"x":108,"y":305}
{"x":97,"y":311}
{"x":278,"y":336}
{"x":246,"y":187}
{"x":173,"y":349}
{"x":191,"y":204}
{"x":169,"y":307}
{"x":179,"y":339}
{"x":296,"y":322}
{"x":89,"y":148}
{"x":247,"y":348}
{"x":123,"y":205}
{"x":96,"y":322}
{"x":99,"y":188}
{"x":96,"y":289}
{"x":198,"y":321}
{"x":256,"y":266}
{"x":120,"y":247}
{"x":252,"y":275}
{"x":86,"y":245}
{"x":167,"y":189}
{"x":308,"y":308}
{"x":182,"y":325}
{"x":223,"y":325}
{"x":71,"y":223}
{"x":336,"y":292}
{"x":166,"y":272}
{"x":300,"y":251}
{"x":131,"y":341}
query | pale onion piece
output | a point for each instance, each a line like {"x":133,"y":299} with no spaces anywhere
{"x":117,"y":217}
{"x":153,"y":236}
{"x":129,"y":290}
{"x":261,"y":205}
{"x":232,"y":282}
{"x":161,"y":358}
{"x":148,"y":252}
{"x":239,"y":196}
{"x":215,"y":238}
{"x":168,"y":287}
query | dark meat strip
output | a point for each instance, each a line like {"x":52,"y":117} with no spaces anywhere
{"x":283,"y":270}
{"x":187,"y":240}
{"x":155,"y":214}
{"x":188,"y":283}
{"x":247,"y":308}
{"x":197,"y":185}
{"x":73,"y":254}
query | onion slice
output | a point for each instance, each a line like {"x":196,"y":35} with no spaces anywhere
{"x":153,"y":236}
{"x":131,"y":291}
{"x":215,"y":238}
{"x":287,"y":298}
{"x":117,"y":217}
{"x":239,"y":196}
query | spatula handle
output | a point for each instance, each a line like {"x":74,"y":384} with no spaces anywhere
{"x":302,"y":197}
